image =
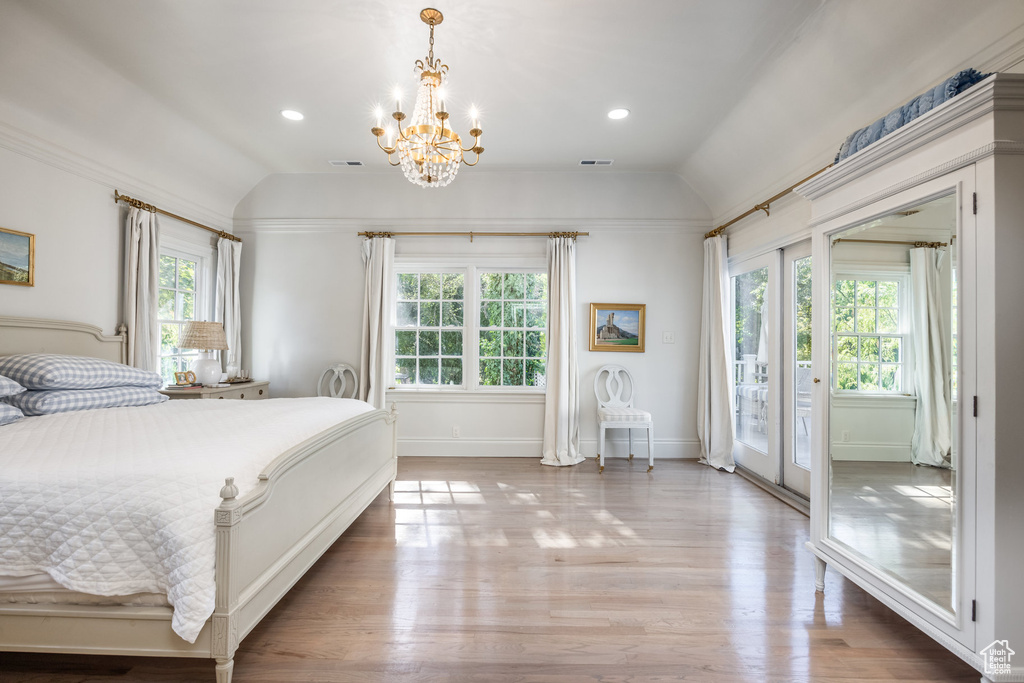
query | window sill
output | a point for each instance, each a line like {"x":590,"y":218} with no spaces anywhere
{"x":850,"y":399}
{"x":410,"y":395}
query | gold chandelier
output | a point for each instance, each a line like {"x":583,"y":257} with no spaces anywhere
{"x":429,"y":152}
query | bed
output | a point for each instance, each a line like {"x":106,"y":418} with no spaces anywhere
{"x":268,"y":529}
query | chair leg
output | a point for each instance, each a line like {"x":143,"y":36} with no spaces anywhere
{"x":630,"y":432}
{"x":600,"y":451}
{"x":650,"y":447}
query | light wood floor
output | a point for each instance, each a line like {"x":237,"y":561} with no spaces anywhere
{"x":900,"y":516}
{"x":501,"y":570}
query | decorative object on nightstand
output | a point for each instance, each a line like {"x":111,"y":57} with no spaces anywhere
{"x":207,"y":337}
{"x":246,"y":391}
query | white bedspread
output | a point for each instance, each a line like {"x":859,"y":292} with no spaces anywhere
{"x":121,"y":500}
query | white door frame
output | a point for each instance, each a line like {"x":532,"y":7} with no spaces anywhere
{"x":794,"y":477}
{"x":765,"y":465}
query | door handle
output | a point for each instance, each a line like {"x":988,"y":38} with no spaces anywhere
{"x":817,"y":381}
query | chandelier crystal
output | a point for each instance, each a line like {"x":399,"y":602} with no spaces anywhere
{"x":428,"y":150}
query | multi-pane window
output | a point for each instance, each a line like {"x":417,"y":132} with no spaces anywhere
{"x":513,"y":324}
{"x":470,"y":328}
{"x":429,"y":328}
{"x":868,"y":340}
{"x":178,"y":292}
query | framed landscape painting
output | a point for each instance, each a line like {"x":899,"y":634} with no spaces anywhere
{"x":17,"y":258}
{"x":617,"y":327}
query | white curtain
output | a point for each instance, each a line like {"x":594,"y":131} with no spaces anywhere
{"x":931,"y":340}
{"x":142,"y":268}
{"x":762,"y":336}
{"x":562,"y":397}
{"x":228,"y":309}
{"x":379,"y":271}
{"x":714,"y":373}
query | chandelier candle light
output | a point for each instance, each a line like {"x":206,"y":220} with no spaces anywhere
{"x":429,"y":152}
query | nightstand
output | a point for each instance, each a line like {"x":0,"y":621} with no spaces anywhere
{"x":248,"y":391}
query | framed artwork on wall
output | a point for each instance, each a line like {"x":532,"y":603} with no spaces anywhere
{"x":17,"y":258}
{"x":617,"y":327}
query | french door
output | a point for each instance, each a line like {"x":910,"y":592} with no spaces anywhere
{"x":771,"y":296}
{"x":755,"y":368}
{"x":796,"y":364}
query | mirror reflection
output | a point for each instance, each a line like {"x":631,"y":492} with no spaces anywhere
{"x":892,"y":434}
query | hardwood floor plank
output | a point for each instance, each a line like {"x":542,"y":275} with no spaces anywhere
{"x":504,"y":571}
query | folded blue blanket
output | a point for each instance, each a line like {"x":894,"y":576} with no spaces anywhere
{"x":901,"y":116}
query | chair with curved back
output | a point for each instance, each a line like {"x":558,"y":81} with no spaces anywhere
{"x":615,"y":392}
{"x":338,"y":382}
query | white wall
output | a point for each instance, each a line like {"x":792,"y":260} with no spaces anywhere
{"x":79,"y":249}
{"x":302,"y":287}
{"x":786,"y":125}
{"x":82,"y":112}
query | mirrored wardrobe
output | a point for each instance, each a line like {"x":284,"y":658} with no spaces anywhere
{"x":918,"y":360}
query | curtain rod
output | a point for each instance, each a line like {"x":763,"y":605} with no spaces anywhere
{"x":472,"y":234}
{"x":930,"y":245}
{"x":149,"y":207}
{"x":765,"y":205}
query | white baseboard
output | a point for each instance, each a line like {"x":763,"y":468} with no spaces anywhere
{"x":664,"y":449}
{"x":474,"y":448}
{"x":871,"y":452}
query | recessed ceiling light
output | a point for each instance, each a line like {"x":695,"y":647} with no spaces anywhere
{"x":618,"y":113}
{"x":293,"y":115}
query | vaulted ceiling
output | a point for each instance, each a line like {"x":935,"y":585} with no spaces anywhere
{"x":733,"y":94}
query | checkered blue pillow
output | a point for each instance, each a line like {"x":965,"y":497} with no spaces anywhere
{"x":63,"y":401}
{"x":9,"y":414}
{"x":8,"y":387}
{"x":37,"y":371}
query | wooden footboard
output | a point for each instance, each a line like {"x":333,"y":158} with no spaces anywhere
{"x":266,"y":540}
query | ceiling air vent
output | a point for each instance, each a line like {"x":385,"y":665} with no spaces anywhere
{"x":596,"y":162}
{"x":345,"y":163}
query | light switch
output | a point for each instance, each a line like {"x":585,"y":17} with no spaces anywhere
{"x":668,"y":337}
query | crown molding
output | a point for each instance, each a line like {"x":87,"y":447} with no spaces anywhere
{"x":998,"y":147}
{"x":482,"y":225}
{"x":1002,"y":54}
{"x":36,"y":148}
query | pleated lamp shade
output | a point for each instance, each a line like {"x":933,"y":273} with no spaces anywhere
{"x":203,"y":335}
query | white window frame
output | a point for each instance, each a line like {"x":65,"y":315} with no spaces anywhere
{"x":899,"y":273}
{"x":204,"y":259}
{"x":471,"y":266}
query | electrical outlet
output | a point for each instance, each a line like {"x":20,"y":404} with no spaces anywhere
{"x":456,"y":432}
{"x":846,"y":436}
{"x":668,"y":337}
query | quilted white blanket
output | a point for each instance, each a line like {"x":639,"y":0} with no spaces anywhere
{"x":121,"y":500}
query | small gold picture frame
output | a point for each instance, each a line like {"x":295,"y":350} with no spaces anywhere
{"x":617,"y":327}
{"x":187,"y":377}
{"x":17,"y":258}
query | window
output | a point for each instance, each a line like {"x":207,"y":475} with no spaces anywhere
{"x":513,"y":325}
{"x":470,"y":328}
{"x":869,"y":334}
{"x":430,"y":327}
{"x":181,"y":299}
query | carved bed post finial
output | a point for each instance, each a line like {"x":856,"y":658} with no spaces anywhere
{"x":229,"y":490}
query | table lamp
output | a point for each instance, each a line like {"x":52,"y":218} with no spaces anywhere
{"x":207,"y":337}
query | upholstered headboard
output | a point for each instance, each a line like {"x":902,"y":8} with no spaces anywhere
{"x":33,"y":335}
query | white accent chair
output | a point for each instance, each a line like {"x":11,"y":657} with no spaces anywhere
{"x":615,"y":391}
{"x":338,"y":384}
